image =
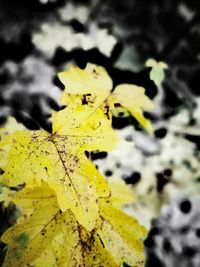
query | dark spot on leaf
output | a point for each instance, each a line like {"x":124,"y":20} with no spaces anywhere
{"x":43,"y":232}
{"x":107,"y":109}
{"x":117,"y":105}
{"x":84,"y":100}
{"x":121,"y":114}
{"x":22,"y":239}
{"x":101,"y":241}
{"x":126,"y":265}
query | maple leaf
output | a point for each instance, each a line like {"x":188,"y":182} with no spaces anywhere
{"x":59,"y":159}
{"x":93,"y":80}
{"x":94,"y":87}
{"x":45,"y":234}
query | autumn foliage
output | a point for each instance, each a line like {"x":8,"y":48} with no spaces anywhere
{"x":70,"y":215}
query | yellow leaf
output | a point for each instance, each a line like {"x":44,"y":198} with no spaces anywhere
{"x":92,"y":128}
{"x":134,"y":99}
{"x":29,"y":237}
{"x":121,"y":193}
{"x":122,"y":236}
{"x":93,"y":87}
{"x":59,"y":159}
{"x":72,"y":100}
{"x":44,"y":235}
{"x":10,"y":127}
{"x":93,"y":79}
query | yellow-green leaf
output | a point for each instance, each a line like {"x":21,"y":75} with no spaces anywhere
{"x":157,"y":73}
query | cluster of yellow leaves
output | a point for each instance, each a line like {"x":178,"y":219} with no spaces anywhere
{"x":47,"y":235}
{"x":70,"y":217}
{"x":94,"y":86}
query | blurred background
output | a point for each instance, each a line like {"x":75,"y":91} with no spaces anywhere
{"x":39,"y":38}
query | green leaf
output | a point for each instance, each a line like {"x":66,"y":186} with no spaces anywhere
{"x":157,"y":73}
